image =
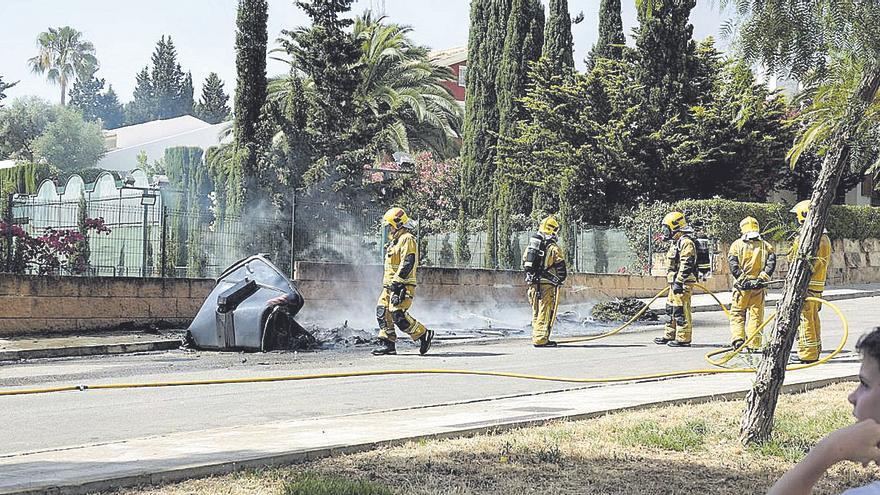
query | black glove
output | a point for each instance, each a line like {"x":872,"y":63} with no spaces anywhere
{"x":398,"y":293}
{"x":677,"y":288}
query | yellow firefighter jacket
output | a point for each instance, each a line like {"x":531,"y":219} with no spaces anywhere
{"x":820,"y":264}
{"x":402,"y":243}
{"x":681,"y":261}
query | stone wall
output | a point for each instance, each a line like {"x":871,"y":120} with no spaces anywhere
{"x":32,"y":304}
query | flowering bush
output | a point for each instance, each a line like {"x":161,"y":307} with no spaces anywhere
{"x":47,"y":251}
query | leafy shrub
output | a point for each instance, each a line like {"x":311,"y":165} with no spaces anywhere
{"x":719,"y":219}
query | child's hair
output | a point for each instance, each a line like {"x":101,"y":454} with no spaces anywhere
{"x":869,"y":344}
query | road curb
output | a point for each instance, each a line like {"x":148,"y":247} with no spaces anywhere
{"x":300,"y":456}
{"x":704,"y":308}
{"x":91,"y":350}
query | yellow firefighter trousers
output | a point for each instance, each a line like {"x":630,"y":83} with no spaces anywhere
{"x":810,"y":329}
{"x":390,"y":315}
{"x":542,"y":297}
{"x":679,"y":305}
{"x":751,"y":303}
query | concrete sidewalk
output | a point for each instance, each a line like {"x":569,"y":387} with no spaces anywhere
{"x":705,"y":302}
{"x":179,"y":456}
{"x":14,"y":349}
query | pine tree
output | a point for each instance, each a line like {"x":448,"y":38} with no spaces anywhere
{"x":250,"y":60}
{"x":611,"y":38}
{"x":143,"y":105}
{"x":110,"y":110}
{"x":485,"y":46}
{"x":558,"y":41}
{"x":95,"y":105}
{"x":212,"y":107}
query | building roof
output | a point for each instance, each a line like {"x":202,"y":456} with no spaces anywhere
{"x":153,"y":138}
{"x":449,"y":56}
{"x":140,"y":134}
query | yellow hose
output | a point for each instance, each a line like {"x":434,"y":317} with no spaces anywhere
{"x":504,"y":374}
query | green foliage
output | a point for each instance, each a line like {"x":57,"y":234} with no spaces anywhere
{"x":86,"y":96}
{"x":3,"y":87}
{"x":462,"y":249}
{"x":251,"y":39}
{"x":24,"y":120}
{"x":187,"y":173}
{"x":212,"y":107}
{"x":64,"y":56}
{"x":611,"y":40}
{"x":162,"y":92}
{"x":400,"y":86}
{"x":485,"y":46}
{"x":558,"y":40}
{"x":689,"y":436}
{"x":24,"y":178}
{"x":593,"y":143}
{"x":310,"y":484}
{"x":69,"y":142}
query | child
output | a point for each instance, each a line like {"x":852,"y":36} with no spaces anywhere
{"x":857,"y":443}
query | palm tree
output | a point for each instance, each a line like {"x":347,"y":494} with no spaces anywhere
{"x":397,"y":80}
{"x":64,"y":56}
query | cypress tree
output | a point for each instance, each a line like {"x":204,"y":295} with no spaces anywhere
{"x":611,"y":38}
{"x":251,"y":37}
{"x":558,"y":40}
{"x":212,"y":107}
{"x":185,"y":101}
{"x":522,"y":45}
{"x":110,"y":110}
{"x":666,"y":56}
{"x":485,"y":46}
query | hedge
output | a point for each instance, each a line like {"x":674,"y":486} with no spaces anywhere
{"x":719,"y":219}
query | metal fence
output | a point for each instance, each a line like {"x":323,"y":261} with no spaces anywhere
{"x":158,"y":241}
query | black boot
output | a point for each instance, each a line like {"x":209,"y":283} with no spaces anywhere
{"x":549,"y":343}
{"x":425,"y":342}
{"x":675,"y":343}
{"x":736,"y":344}
{"x":386,"y":348}
{"x":662,"y":340}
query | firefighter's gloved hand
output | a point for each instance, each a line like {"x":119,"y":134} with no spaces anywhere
{"x":677,"y":288}
{"x":398,"y":293}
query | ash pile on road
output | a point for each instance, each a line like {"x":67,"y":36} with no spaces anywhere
{"x":342,"y":336}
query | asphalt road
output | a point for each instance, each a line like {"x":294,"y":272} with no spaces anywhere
{"x":54,"y":421}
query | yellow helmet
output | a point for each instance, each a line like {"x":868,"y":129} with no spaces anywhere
{"x":396,"y":218}
{"x":549,"y":226}
{"x":801,"y":210}
{"x":673,"y":222}
{"x":749,"y":227}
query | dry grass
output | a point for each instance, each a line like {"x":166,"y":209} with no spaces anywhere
{"x":679,"y":449}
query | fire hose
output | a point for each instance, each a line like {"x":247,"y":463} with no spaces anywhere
{"x":504,"y":374}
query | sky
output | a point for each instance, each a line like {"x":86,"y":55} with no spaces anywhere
{"x":125,"y":33}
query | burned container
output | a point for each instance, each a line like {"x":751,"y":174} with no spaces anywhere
{"x":236,"y":315}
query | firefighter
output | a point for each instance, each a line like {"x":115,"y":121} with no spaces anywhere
{"x":545,"y":270}
{"x":681,"y":275}
{"x":751,"y":260}
{"x":809,"y":331}
{"x":399,"y":287}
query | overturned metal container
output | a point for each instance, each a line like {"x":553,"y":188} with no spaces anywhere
{"x":237,"y":316}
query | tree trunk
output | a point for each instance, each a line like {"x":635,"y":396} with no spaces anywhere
{"x":63,"y":90}
{"x":757,"y":421}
